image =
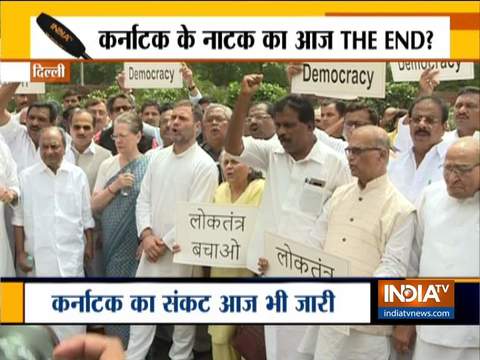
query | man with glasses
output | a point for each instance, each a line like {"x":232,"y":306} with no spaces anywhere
{"x":356,"y":115}
{"x":421,"y":165}
{"x":214,"y":126}
{"x":445,"y":249}
{"x":88,"y":155}
{"x":370,"y":224}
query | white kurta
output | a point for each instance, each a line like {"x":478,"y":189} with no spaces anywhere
{"x":373,"y":229}
{"x":22,"y":147}
{"x":452,"y":136}
{"x":190,"y":176}
{"x":171,"y":178}
{"x":54,"y":210}
{"x":409,"y":179}
{"x":290,"y":207}
{"x":9,"y":180}
{"x":447,"y":245}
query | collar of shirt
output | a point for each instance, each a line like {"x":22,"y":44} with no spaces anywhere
{"x":440,"y":148}
{"x":374,"y":184}
{"x":188,"y":151}
{"x":64,"y":167}
{"x":90,"y":150}
{"x":317,"y":152}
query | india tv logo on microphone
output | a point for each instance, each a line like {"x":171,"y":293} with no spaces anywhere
{"x":416,"y":299}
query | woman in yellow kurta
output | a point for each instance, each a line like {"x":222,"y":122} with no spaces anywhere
{"x":243,"y":186}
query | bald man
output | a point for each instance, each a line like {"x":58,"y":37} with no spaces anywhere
{"x":447,"y":245}
{"x":371,"y":225}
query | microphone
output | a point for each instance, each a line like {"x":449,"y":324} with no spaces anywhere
{"x":62,"y":36}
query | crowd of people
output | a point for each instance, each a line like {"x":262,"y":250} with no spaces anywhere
{"x":91,"y":191}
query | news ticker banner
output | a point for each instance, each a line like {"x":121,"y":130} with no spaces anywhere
{"x":169,"y":30}
{"x":240,"y":301}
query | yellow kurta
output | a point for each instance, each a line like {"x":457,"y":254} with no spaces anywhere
{"x":222,"y":334}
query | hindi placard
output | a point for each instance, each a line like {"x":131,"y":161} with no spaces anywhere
{"x":338,"y":80}
{"x":292,"y":259}
{"x":153,"y":75}
{"x":214,"y":235}
{"x":448,"y":70}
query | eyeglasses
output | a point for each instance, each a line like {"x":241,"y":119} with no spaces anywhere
{"x":459,"y":170}
{"x":218,"y":120}
{"x":358,"y":150}
{"x":122,"y":108}
{"x":428,"y":120}
{"x":84,"y":127}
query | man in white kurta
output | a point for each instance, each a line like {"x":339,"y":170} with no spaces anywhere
{"x":370,"y":224}
{"x":53,"y":217}
{"x":421,"y":165}
{"x":8,"y":194}
{"x":447,"y":245}
{"x":181,"y":172}
{"x":302,"y":173}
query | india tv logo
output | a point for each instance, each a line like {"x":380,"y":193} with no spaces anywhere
{"x":416,"y":299}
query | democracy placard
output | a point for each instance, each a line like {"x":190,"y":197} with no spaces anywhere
{"x":338,"y":80}
{"x":290,"y":258}
{"x":214,"y":235}
{"x":448,"y":70}
{"x":152,"y":75}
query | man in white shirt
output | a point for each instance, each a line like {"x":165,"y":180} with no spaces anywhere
{"x":182,"y":172}
{"x":88,"y":155}
{"x":445,"y":249}
{"x":355,"y":115}
{"x":23,"y":140}
{"x":466,"y":112}
{"x":8,"y":196}
{"x":421,"y":165}
{"x":53,"y":217}
{"x":371,"y":225}
{"x":302,"y":173}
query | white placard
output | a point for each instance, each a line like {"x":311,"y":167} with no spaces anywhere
{"x":341,"y":79}
{"x":214,"y":235}
{"x":292,"y":259}
{"x":449,"y":70}
{"x":31,"y":88}
{"x":151,"y":75}
{"x":302,"y":302}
